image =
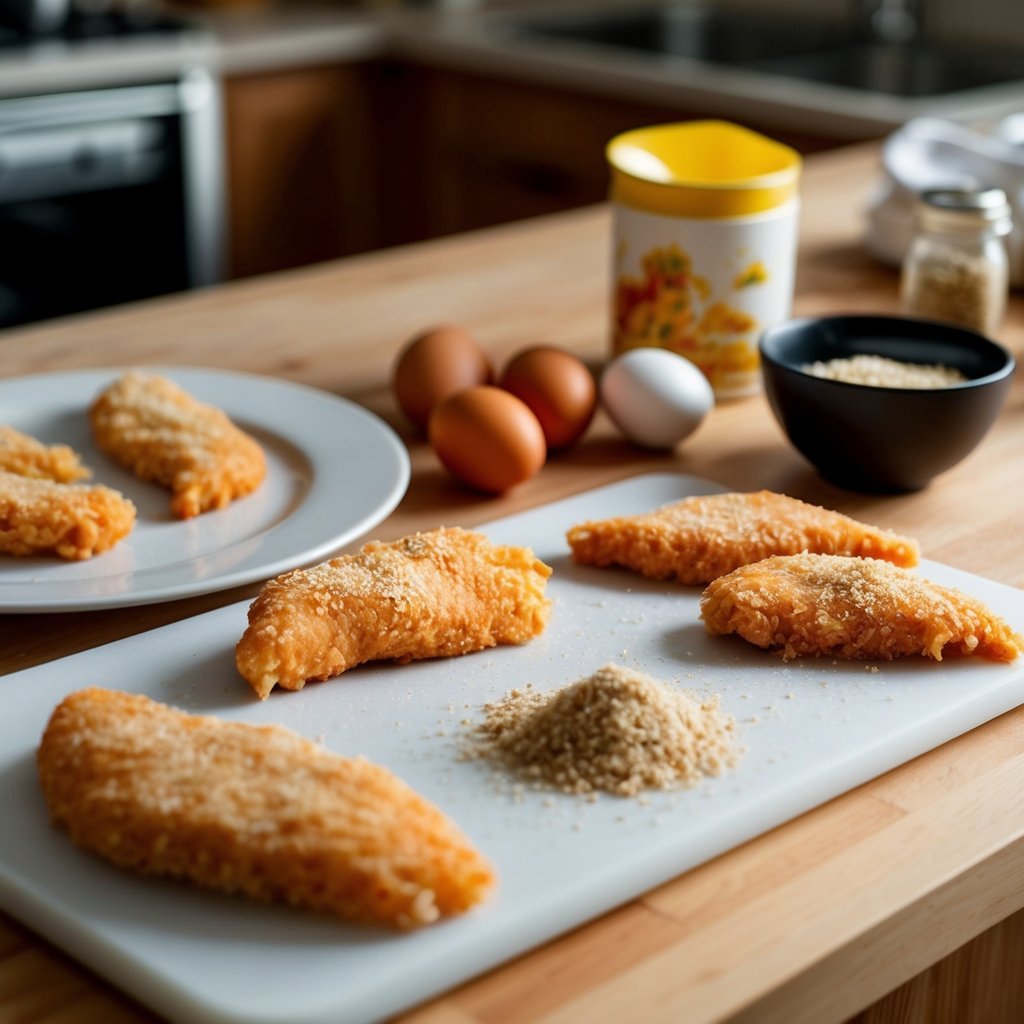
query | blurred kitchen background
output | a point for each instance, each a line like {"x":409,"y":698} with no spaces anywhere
{"x":147,"y":148}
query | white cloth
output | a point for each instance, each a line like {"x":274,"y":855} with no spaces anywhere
{"x":928,"y":153}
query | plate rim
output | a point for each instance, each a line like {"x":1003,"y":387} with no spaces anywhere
{"x":256,"y":566}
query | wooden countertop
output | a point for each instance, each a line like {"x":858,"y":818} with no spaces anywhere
{"x":811,"y":922}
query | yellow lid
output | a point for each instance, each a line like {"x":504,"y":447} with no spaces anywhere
{"x":701,"y":169}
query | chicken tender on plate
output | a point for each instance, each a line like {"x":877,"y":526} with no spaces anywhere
{"x":256,"y":810}
{"x":852,"y":608}
{"x":700,"y":538}
{"x":161,"y":433}
{"x":74,"y":521}
{"x":24,"y":455}
{"x":429,"y":595}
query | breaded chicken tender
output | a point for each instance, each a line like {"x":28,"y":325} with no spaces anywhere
{"x":256,"y":810}
{"x":429,"y":595}
{"x":24,"y":455}
{"x":75,"y":521}
{"x":852,"y":608}
{"x":161,"y":433}
{"x":700,"y":538}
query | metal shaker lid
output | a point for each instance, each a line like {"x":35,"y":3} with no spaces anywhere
{"x":984,"y":210}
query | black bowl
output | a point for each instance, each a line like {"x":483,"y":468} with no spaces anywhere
{"x":871,"y":438}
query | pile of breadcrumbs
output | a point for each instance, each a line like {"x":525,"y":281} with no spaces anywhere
{"x":616,"y":731}
{"x":880,"y":371}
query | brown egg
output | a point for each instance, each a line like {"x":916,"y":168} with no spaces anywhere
{"x":487,"y":438}
{"x":558,"y":388}
{"x":434,"y":365}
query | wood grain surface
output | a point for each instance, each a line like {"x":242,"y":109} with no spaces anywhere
{"x":814,"y":921}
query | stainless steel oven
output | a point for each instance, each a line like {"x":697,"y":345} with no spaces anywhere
{"x":109,"y":195}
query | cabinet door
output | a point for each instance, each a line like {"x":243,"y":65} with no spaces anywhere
{"x":502,"y":150}
{"x":301,"y":167}
{"x":497,"y":149}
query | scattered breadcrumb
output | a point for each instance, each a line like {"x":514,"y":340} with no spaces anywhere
{"x":616,"y":731}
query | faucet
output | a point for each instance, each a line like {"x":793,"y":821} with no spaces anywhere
{"x":890,"y":21}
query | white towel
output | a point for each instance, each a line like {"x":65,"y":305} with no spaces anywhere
{"x":927,"y":153}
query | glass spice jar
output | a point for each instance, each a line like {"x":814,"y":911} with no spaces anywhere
{"x":956,"y":268}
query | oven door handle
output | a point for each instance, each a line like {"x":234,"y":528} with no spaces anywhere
{"x":194,"y":90}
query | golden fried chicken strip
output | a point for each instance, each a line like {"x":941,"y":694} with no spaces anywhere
{"x":852,"y":608}
{"x":24,"y":455}
{"x":429,"y":595}
{"x":75,"y":521}
{"x":700,"y":538}
{"x":256,"y":810}
{"x":161,"y":433}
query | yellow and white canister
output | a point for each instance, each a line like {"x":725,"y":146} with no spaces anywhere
{"x":704,"y":248}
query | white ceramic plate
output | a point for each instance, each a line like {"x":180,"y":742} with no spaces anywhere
{"x":334,"y":470}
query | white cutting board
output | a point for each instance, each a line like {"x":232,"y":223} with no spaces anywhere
{"x":812,"y":729}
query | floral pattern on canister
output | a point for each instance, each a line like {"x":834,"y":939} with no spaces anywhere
{"x":671,"y":305}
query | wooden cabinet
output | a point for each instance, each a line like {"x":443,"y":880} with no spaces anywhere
{"x":464,"y":151}
{"x":495,"y":149}
{"x":502,"y":151}
{"x":301,"y":168}
{"x":979,"y":983}
{"x":325,"y":162}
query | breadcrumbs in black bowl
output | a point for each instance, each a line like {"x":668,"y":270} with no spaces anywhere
{"x":880,"y":403}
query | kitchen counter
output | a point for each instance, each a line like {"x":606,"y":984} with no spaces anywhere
{"x":232,"y":42}
{"x":53,"y":65}
{"x":810,"y":922}
{"x":244,"y":41}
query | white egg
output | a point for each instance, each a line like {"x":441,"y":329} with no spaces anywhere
{"x":655,"y":397}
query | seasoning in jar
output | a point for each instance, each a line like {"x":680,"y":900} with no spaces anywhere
{"x":956,"y":268}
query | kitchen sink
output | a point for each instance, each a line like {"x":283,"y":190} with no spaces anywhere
{"x":713,"y":35}
{"x":810,"y":49}
{"x":900,"y":69}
